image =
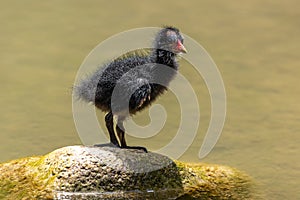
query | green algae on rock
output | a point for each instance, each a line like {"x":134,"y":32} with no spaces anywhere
{"x":21,"y":179}
{"x":80,"y":172}
{"x":208,"y":181}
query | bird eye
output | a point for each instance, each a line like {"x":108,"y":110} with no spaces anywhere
{"x":181,"y":39}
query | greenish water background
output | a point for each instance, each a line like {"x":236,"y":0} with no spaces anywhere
{"x":254,"y":43}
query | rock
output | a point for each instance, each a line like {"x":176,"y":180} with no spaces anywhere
{"x":215,"y":182}
{"x":81,"y":172}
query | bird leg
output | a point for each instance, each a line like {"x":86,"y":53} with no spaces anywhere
{"x":121,"y":134}
{"x":109,"y":120}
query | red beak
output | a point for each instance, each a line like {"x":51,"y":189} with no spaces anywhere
{"x":180,"y":47}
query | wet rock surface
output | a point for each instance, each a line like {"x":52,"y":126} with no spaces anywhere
{"x":81,"y":172}
{"x":108,"y":169}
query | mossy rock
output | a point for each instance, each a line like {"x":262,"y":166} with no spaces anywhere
{"x":81,"y":172}
{"x":214,"y":182}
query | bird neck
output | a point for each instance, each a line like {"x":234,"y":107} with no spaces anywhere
{"x":165,"y":57}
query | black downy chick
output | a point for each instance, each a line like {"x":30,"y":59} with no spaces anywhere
{"x":130,"y":83}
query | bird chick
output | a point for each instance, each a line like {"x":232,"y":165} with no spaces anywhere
{"x":132,"y":80}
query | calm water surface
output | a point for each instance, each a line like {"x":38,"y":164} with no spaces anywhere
{"x":255,"y":45}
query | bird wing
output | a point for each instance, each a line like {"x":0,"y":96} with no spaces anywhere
{"x":131,"y":93}
{"x":140,"y":96}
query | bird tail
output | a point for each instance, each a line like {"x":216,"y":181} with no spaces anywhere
{"x":85,"y":91}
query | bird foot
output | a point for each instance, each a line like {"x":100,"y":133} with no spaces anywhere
{"x":107,"y":145}
{"x":118,"y":146}
{"x":136,"y":147}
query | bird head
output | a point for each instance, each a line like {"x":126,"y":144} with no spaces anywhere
{"x":170,"y":39}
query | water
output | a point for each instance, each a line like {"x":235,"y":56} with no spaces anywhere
{"x":255,"y":45}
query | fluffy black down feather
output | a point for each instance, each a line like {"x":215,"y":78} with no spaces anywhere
{"x":132,"y":78}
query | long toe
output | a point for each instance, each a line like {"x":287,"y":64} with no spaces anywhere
{"x":136,"y":148}
{"x":107,"y":145}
